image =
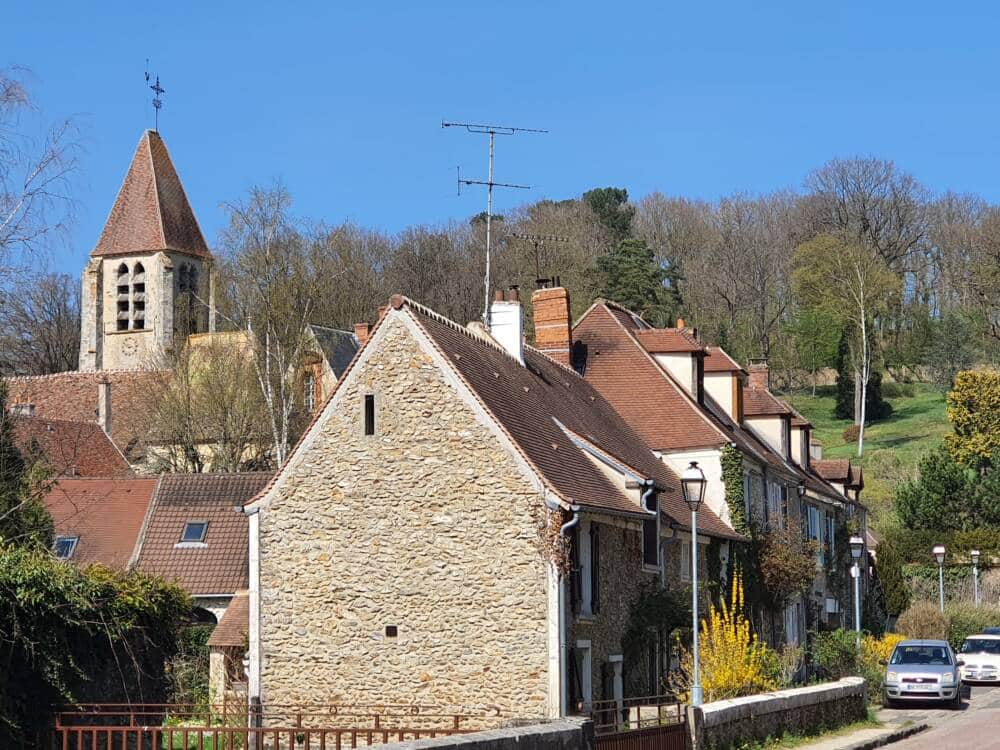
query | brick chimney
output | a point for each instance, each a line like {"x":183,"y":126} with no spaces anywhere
{"x":552,"y":324}
{"x":362,"y":331}
{"x":760,"y":377}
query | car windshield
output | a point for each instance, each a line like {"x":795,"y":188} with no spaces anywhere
{"x":981,"y":646}
{"x":920,"y":655}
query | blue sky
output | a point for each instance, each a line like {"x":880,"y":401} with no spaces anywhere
{"x":343,"y":102}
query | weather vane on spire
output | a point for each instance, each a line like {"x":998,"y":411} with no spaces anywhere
{"x":157,"y":91}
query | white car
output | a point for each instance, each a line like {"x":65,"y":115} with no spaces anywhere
{"x":981,"y":654}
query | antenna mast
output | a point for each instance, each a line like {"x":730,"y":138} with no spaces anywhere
{"x":157,"y":91}
{"x":538,"y":240}
{"x":492,"y":131}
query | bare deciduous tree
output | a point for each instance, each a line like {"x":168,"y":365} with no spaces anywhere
{"x":35,"y":174}
{"x":40,"y":325}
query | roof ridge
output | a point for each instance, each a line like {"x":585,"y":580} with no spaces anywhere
{"x":433,"y":314}
{"x":32,"y":418}
{"x":117,"y":370}
{"x":330,"y":328}
{"x":156,"y":187}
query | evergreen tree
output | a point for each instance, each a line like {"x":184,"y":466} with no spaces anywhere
{"x":612,"y":209}
{"x":631,"y":276}
{"x":940,"y":498}
{"x":876,"y":407}
{"x":23,"y":517}
{"x":890,"y":572}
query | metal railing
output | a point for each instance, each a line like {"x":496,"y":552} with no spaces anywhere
{"x":631,"y":714}
{"x":152,"y":726}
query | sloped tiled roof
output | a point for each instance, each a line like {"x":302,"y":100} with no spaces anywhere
{"x":106,"y":514}
{"x":833,"y":469}
{"x":220,"y":564}
{"x":619,"y":368}
{"x":73,"y":396}
{"x":70,"y":449}
{"x":668,"y":340}
{"x":151,"y":211}
{"x":339,"y":347}
{"x":718,"y":361}
{"x":758,"y":402}
{"x":235,"y":623}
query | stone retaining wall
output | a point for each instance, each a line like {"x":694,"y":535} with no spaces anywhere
{"x":561,"y":734}
{"x":724,"y":724}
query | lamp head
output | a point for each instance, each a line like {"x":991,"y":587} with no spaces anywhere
{"x":975,"y":556}
{"x":800,"y":488}
{"x":939,"y":551}
{"x":693,"y":484}
{"x":857,"y":545}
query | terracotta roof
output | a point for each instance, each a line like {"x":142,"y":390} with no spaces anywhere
{"x":234,"y":626}
{"x":841,"y":471}
{"x":758,"y":402}
{"x":667,"y":340}
{"x":106,"y":514}
{"x":151,"y":211}
{"x":217,"y":566}
{"x":797,"y":419}
{"x":718,"y":361}
{"x":339,"y":347}
{"x":72,"y":396}
{"x":623,"y":372}
{"x":70,"y":449}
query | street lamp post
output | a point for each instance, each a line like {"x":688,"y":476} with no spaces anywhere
{"x":939,"y":551}
{"x":857,"y":546}
{"x":975,"y":574}
{"x":693,"y":485}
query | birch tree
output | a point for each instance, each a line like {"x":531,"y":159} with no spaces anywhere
{"x":37,"y":166}
{"x":271,"y":288}
{"x":853,"y":283}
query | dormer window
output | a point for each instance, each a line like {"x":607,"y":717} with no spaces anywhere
{"x":194,"y":531}
{"x":65,"y":546}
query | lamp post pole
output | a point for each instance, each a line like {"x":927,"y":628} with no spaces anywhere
{"x":693,"y":485}
{"x":975,"y":574}
{"x":939,"y":552}
{"x":696,"y":684}
{"x":857,"y":547}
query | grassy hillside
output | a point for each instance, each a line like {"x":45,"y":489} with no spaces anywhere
{"x":892,"y":447}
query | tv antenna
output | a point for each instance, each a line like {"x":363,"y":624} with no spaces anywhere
{"x":157,"y":91}
{"x":490,"y":183}
{"x":538,"y":240}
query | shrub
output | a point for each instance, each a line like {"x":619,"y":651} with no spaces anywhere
{"x":732,"y":661}
{"x":873,"y":652}
{"x":850,"y":433}
{"x":787,"y":562}
{"x":923,"y":620}
{"x":835,"y":653}
{"x":898,"y":390}
{"x":967,"y":619}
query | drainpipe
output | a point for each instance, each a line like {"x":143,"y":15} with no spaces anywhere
{"x":563,"y":645}
{"x":253,"y":670}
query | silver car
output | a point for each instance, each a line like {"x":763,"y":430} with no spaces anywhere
{"x":923,"y":670}
{"x":981,"y":654}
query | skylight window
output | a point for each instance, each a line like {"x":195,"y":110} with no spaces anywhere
{"x":65,"y":546}
{"x":194,"y":531}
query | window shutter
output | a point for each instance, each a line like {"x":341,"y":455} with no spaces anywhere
{"x":595,"y":569}
{"x":574,"y":573}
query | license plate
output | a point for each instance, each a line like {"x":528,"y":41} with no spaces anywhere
{"x":921,"y":688}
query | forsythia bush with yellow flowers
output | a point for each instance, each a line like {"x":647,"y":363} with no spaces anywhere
{"x":732,"y":661}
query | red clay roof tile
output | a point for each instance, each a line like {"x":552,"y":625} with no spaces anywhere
{"x":70,"y":449}
{"x":718,"y":361}
{"x":151,"y":211}
{"x":668,"y":340}
{"x":234,"y":626}
{"x":107,"y":515}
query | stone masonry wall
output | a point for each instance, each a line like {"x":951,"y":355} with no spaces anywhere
{"x":428,"y":527}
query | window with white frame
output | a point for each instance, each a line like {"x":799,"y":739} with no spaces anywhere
{"x":747,"y":495}
{"x":685,"y":561}
{"x":792,"y":624}
{"x":309,"y":392}
{"x":65,"y":546}
{"x":774,"y":516}
{"x":831,"y":526}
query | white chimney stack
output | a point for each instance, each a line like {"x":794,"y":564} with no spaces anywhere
{"x":104,"y":405}
{"x":507,"y":323}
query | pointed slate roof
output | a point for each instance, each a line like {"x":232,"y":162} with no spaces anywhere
{"x":151,"y":211}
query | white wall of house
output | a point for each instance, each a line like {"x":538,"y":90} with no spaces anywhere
{"x":771,"y":430}
{"x":709,"y":461}
{"x":800,"y":446}
{"x":719,"y":387}
{"x":683,"y":367}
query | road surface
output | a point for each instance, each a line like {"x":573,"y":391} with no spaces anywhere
{"x":976,"y":726}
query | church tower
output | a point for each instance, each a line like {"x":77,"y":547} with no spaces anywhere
{"x":149,"y":277}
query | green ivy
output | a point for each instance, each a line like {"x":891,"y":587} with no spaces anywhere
{"x":732,"y":479}
{"x":660,"y":609}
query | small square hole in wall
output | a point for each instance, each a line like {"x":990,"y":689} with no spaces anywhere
{"x":391,"y":631}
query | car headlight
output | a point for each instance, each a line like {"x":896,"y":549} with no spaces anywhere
{"x":948,"y":677}
{"x":890,"y":676}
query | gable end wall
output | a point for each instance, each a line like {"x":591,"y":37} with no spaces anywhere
{"x":429,"y":526}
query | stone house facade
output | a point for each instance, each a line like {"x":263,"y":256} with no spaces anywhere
{"x":411,"y":550}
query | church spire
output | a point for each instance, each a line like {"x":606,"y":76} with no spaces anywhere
{"x":151,"y":211}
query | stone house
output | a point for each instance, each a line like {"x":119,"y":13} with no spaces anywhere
{"x":465,"y":523}
{"x":692,"y":402}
